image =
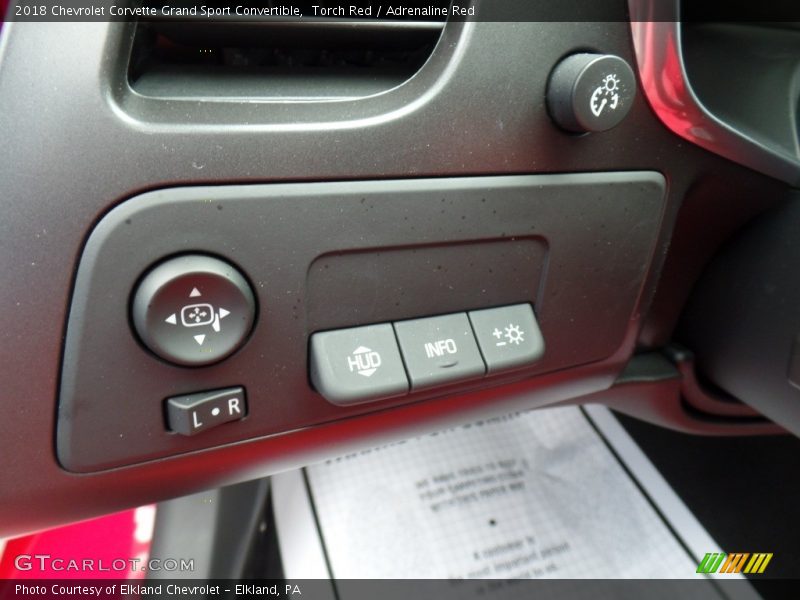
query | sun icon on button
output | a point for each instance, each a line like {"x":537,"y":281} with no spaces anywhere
{"x":610,"y":83}
{"x":514,"y":334}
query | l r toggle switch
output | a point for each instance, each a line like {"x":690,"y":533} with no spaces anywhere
{"x":194,"y":413}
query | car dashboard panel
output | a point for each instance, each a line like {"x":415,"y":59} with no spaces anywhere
{"x":232,"y":247}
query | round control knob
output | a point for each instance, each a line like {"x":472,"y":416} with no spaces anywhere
{"x":193,"y":310}
{"x":590,"y":92}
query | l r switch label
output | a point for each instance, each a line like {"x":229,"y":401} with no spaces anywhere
{"x":193,"y":413}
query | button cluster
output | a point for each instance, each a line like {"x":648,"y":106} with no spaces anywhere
{"x":359,"y":364}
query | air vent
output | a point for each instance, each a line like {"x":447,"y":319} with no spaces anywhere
{"x":257,"y":57}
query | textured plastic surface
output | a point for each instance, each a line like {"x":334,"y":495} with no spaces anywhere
{"x":112,"y":388}
{"x":794,"y":363}
{"x":744,"y":316}
{"x":214,"y":528}
{"x":659,"y":44}
{"x":762,"y":101}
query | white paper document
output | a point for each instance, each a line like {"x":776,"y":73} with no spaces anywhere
{"x":534,"y":494}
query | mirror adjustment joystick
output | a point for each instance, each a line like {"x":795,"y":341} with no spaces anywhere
{"x":193,"y":310}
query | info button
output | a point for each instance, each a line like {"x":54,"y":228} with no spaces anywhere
{"x":438,"y":350}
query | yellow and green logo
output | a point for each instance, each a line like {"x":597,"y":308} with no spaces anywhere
{"x":734,"y":562}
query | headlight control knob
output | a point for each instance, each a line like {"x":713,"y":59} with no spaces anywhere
{"x":193,"y":310}
{"x":590,"y":92}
